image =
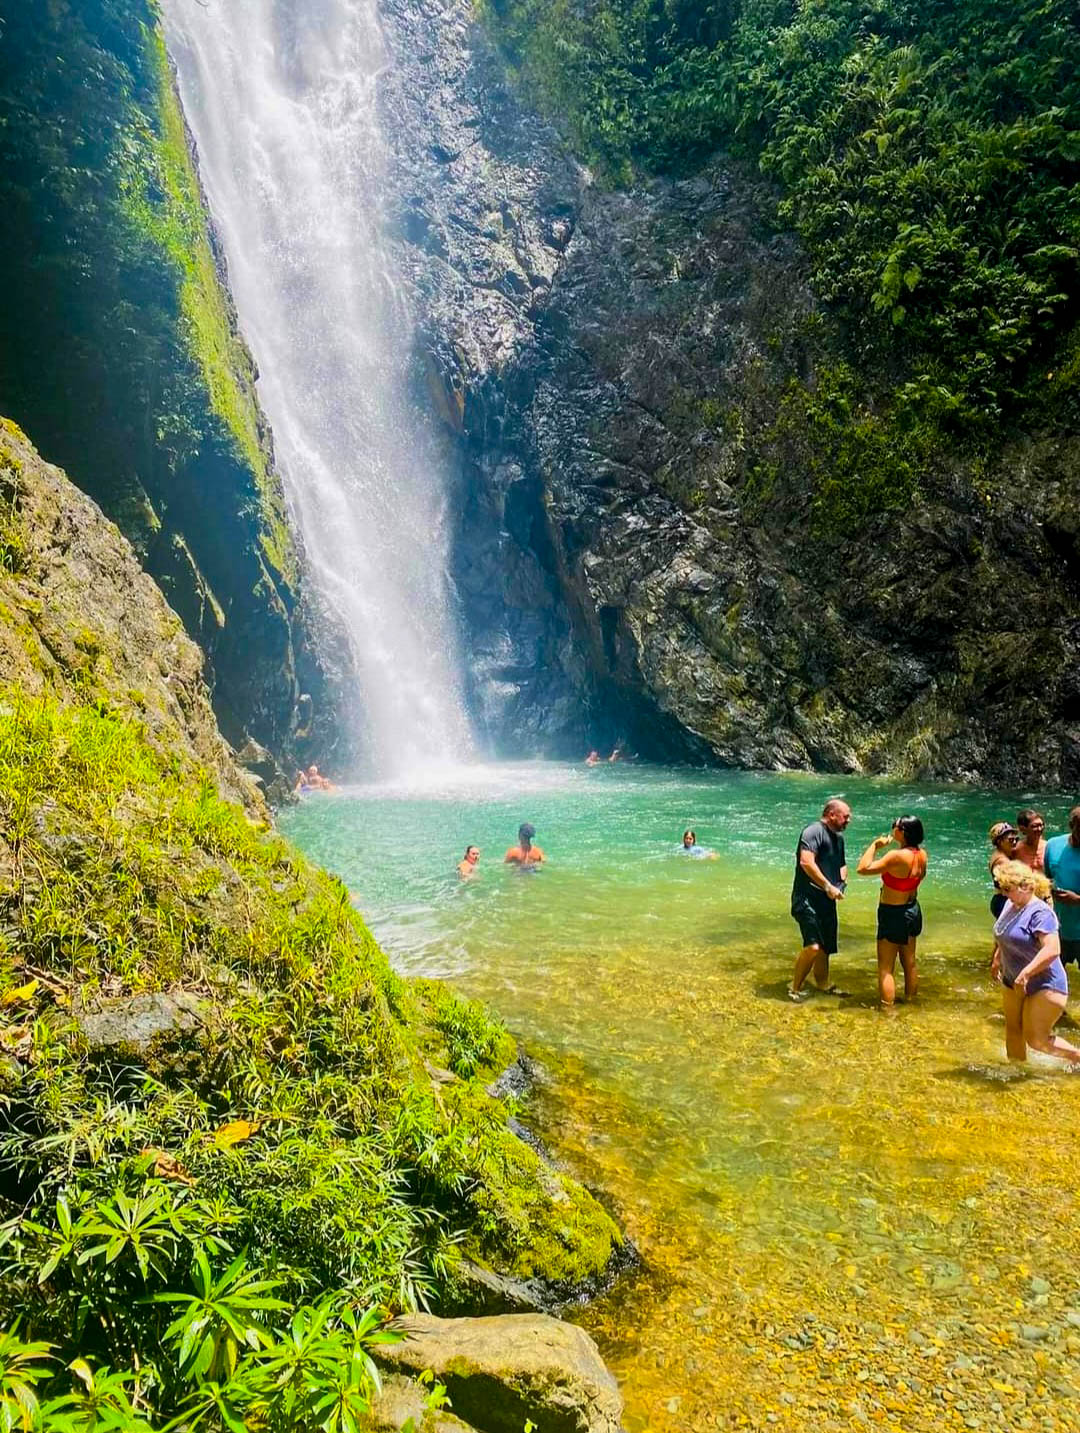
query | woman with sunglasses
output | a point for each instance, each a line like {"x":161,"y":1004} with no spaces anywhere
{"x":1004,"y":838}
{"x":1032,"y":847}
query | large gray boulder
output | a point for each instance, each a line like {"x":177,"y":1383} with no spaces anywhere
{"x":501,"y":1372}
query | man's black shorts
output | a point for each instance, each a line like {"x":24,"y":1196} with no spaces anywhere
{"x":899,"y":924}
{"x":817,"y":921}
{"x":1070,"y":951}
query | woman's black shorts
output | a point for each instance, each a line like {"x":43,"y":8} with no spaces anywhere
{"x":899,"y":924}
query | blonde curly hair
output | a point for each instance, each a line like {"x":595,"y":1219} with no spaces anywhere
{"x":1011,"y":874}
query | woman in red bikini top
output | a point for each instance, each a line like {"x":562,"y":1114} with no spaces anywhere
{"x":899,"y":917}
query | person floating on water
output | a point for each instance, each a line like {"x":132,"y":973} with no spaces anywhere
{"x":899,"y":917}
{"x":1032,"y":847}
{"x":1027,"y":961}
{"x":690,"y":847}
{"x":593,"y":758}
{"x":524,"y":854}
{"x":467,"y":864}
{"x":820,"y":878}
{"x":1062,"y":865}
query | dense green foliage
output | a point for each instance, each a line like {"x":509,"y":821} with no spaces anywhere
{"x":212,"y":1211}
{"x":114,"y":328}
{"x":928,"y":153}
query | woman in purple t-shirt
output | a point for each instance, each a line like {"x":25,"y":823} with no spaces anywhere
{"x":1027,"y":961}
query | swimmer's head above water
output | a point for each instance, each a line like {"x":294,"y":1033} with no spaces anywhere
{"x":689,"y":838}
{"x":525,"y":835}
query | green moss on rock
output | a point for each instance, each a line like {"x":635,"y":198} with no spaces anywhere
{"x":171,"y":969}
{"x":119,"y":345}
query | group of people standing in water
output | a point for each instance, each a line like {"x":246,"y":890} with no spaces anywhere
{"x":1035,"y":905}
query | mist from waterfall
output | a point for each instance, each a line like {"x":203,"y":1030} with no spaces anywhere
{"x":281,"y":97}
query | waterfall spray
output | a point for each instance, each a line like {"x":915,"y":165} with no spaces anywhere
{"x":281,"y":97}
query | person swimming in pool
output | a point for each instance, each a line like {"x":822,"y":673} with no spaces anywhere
{"x":690,"y":847}
{"x":524,"y":855}
{"x":899,"y":919}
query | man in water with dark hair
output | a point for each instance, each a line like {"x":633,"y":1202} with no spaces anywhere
{"x":820,"y":878}
{"x":524,"y":854}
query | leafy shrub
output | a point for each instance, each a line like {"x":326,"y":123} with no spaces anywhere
{"x":215,"y":1222}
{"x":929,"y":154}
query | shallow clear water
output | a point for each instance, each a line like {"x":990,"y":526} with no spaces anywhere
{"x":846,"y":1216}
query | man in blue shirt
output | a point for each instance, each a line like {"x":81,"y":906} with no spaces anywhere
{"x":1062,"y":865}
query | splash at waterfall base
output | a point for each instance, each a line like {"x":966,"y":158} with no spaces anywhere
{"x":198,"y":1034}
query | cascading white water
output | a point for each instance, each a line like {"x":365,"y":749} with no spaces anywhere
{"x":281,"y":97}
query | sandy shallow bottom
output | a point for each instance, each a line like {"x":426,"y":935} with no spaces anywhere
{"x":846,"y":1217}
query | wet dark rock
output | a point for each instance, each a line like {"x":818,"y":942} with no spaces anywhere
{"x":484,"y":1292}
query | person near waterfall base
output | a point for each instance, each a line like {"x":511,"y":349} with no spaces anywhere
{"x":820,"y":878}
{"x":1063,"y":869}
{"x":467,"y":864}
{"x":524,"y":854}
{"x":899,"y":918}
{"x":1027,"y":961}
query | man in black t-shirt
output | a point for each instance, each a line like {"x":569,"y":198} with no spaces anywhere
{"x":820,"y":878}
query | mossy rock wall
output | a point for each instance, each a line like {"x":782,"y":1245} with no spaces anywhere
{"x":185,"y":1001}
{"x":119,"y":347}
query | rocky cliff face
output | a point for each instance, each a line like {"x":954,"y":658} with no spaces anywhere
{"x":664,"y":533}
{"x":119,"y":347}
{"x":81,"y":622}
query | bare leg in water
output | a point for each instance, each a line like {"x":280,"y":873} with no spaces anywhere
{"x":911,"y":970}
{"x":1013,"y":1005}
{"x":810,"y":957}
{"x":1040,"y":1013}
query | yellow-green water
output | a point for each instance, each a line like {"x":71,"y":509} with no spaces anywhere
{"x":847,"y":1218}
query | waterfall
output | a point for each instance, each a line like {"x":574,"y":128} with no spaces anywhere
{"x":281,"y":97}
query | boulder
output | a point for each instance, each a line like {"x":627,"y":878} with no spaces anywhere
{"x":163,"y":1031}
{"x":401,"y":1400}
{"x":501,"y":1372}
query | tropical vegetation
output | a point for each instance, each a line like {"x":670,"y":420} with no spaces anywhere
{"x":927,"y":153}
